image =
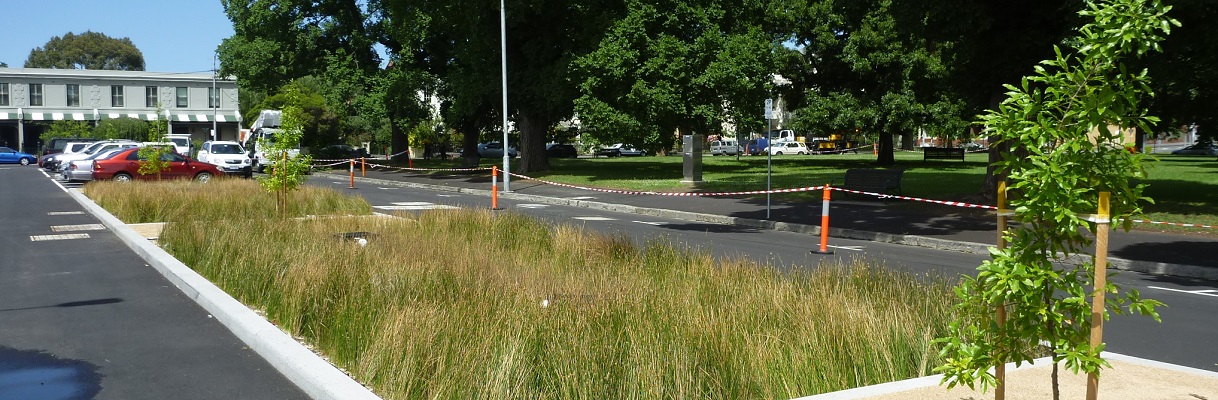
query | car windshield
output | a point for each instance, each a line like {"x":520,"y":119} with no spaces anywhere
{"x":227,"y":149}
{"x":93,"y":148}
{"x":106,"y":155}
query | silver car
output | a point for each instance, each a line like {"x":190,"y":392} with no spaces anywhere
{"x":82,"y":170}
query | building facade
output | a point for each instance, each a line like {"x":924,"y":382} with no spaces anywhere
{"x":192,"y":103}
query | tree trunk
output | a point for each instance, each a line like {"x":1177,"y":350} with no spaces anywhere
{"x":885,"y":157}
{"x":399,"y":141}
{"x":469,"y":144}
{"x":907,"y":140}
{"x":533,"y":131}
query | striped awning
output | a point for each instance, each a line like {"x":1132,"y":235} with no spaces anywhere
{"x":145,"y":117}
{"x":90,"y":116}
{"x":58,"y":116}
{"x":7,"y":116}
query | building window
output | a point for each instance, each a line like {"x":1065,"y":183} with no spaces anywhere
{"x":3,"y":94}
{"x":182,"y":98}
{"x":213,"y":97}
{"x":73,"y":95}
{"x":36,"y":94}
{"x":116,"y":95}
{"x":150,"y":97}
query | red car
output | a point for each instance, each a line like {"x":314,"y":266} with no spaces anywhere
{"x":125,"y":166}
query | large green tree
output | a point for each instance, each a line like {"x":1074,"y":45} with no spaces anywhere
{"x":1185,"y":76}
{"x":89,"y":50}
{"x":677,"y":66}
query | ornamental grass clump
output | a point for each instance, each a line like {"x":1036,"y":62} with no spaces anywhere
{"x":220,"y":199}
{"x":474,"y":304}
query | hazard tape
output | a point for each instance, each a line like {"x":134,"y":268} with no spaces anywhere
{"x":430,"y":169}
{"x":331,"y":165}
{"x":946,"y":203}
{"x":1175,"y":224}
{"x":676,"y":194}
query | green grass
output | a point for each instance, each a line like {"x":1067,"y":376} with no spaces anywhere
{"x":1184,"y":188}
{"x":448,"y":305}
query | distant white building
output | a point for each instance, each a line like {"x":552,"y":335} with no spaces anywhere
{"x":193,"y":103}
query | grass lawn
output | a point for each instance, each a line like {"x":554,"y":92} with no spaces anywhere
{"x":1184,"y":188}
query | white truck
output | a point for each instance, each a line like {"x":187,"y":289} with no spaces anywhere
{"x":262,"y":136}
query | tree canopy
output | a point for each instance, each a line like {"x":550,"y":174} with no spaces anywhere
{"x":89,"y":50}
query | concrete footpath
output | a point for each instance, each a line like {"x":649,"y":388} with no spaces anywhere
{"x":856,"y":217}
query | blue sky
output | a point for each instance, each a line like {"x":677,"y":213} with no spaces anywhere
{"x":174,"y":35}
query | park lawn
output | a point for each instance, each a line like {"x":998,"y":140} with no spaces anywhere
{"x":1184,"y":188}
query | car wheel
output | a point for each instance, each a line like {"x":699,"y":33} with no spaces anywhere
{"x":802,"y":153}
{"x":122,"y":177}
{"x":203,"y":177}
{"x":778,"y":153}
{"x":25,"y":161}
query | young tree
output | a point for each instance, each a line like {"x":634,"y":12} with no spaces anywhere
{"x":288,"y":172}
{"x":89,"y":50}
{"x":154,"y":157}
{"x":1067,"y":122}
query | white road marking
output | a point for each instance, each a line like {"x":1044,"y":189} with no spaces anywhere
{"x":416,"y":207}
{"x":446,"y":195}
{"x":651,"y":223}
{"x":595,"y":218}
{"x":43,"y":238}
{"x":385,"y":188}
{"x":852,"y":248}
{"x":73,"y":228}
{"x":532,"y":206}
{"x":1205,"y":292}
{"x":582,"y":198}
{"x":66,"y":213}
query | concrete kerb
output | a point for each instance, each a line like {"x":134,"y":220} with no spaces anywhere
{"x":1148,"y":267}
{"x":314,"y":375}
{"x":935,"y":380}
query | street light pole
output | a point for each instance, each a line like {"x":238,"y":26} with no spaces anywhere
{"x":215,"y":133}
{"x":507,"y":176}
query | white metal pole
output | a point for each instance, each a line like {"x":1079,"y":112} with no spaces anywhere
{"x":215,"y":133}
{"x":769,"y":168}
{"x":503,"y":52}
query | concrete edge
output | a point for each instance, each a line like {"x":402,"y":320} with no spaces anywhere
{"x":936,"y":380}
{"x":313,"y":374}
{"x":1146,"y":267}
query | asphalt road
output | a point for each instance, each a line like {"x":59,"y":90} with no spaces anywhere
{"x":1185,"y":336}
{"x":82,"y":316}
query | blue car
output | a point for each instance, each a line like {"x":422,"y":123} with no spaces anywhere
{"x":10,"y":156}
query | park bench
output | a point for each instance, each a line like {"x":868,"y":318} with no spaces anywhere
{"x":942,"y":153}
{"x":886,"y":181}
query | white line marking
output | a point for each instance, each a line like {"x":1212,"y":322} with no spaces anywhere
{"x":66,"y":213}
{"x":412,"y":203}
{"x":852,"y":248}
{"x":595,"y":218}
{"x":651,"y":223}
{"x":1200,"y":292}
{"x":582,"y":198}
{"x":533,"y":206}
{"x":385,"y":188}
{"x":446,"y":195}
{"x":415,"y":207}
{"x":43,"y":238}
{"x":1207,"y":291}
{"x":72,"y":228}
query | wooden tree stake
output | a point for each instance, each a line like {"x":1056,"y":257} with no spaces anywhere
{"x":1101,"y":281}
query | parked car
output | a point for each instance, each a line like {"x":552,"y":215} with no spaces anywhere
{"x":125,"y":166}
{"x":82,"y":170}
{"x":555,"y":150}
{"x":726,"y":147}
{"x":339,"y":152}
{"x":620,"y":150}
{"x":779,"y":149}
{"x":1199,"y":149}
{"x":69,"y":148}
{"x":56,"y":145}
{"x":495,"y":150}
{"x":229,"y":156}
{"x":56,"y":161}
{"x":8,"y":155}
{"x":756,"y":146}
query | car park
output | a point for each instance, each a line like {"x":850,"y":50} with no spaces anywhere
{"x":82,"y":170}
{"x":10,"y":156}
{"x":229,"y":156}
{"x":779,"y":149}
{"x":1198,"y":149}
{"x":495,"y":150}
{"x":125,"y":165}
{"x":556,"y":150}
{"x":69,"y":148}
{"x":56,"y":161}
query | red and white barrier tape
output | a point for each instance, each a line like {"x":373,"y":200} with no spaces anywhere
{"x":331,"y":165}
{"x":676,"y":194}
{"x":1175,"y":224}
{"x":946,"y":203}
{"x":430,"y":169}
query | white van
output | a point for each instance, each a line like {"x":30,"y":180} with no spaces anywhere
{"x":727,"y":147}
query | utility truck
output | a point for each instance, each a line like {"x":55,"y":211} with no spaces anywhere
{"x":262,"y":137}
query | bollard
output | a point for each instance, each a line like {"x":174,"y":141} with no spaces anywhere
{"x":495,"y":188}
{"x":824,"y":224}
{"x":409,"y":160}
{"x":363,"y":167}
{"x":875,"y":149}
{"x":351,"y":164}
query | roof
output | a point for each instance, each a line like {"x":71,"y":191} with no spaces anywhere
{"x":54,"y":73}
